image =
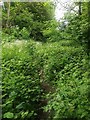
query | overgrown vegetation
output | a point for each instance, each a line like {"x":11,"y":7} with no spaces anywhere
{"x":45,"y":63}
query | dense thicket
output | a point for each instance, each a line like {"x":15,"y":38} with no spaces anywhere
{"x":26,"y":18}
{"x":45,"y":81}
{"x":26,"y":68}
{"x":79,"y":25}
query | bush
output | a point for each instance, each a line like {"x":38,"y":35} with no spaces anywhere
{"x":15,"y":33}
{"x":24,"y":33}
{"x":21,"y":84}
{"x":28,"y":64}
{"x":68,"y":70}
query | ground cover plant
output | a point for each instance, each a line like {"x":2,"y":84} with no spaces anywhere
{"x":26,"y":67}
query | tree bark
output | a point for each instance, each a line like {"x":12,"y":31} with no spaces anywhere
{"x":8,"y":13}
{"x":80,"y":8}
{"x":88,"y":35}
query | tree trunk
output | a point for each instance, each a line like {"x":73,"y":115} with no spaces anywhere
{"x":80,"y":8}
{"x":88,"y":37}
{"x":8,"y":13}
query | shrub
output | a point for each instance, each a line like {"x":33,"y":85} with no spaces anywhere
{"x":28,"y":64}
{"x":24,"y":34}
{"x":68,"y":71}
{"x":21,"y":84}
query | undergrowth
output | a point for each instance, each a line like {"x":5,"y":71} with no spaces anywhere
{"x":25,"y":65}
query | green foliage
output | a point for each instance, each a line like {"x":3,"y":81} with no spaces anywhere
{"x":21,"y":84}
{"x":8,"y":115}
{"x":79,"y":25}
{"x":52,"y":77}
{"x":24,"y":33}
{"x":64,"y":67}
{"x":70,"y":98}
{"x":51,"y":32}
{"x":28,"y":18}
